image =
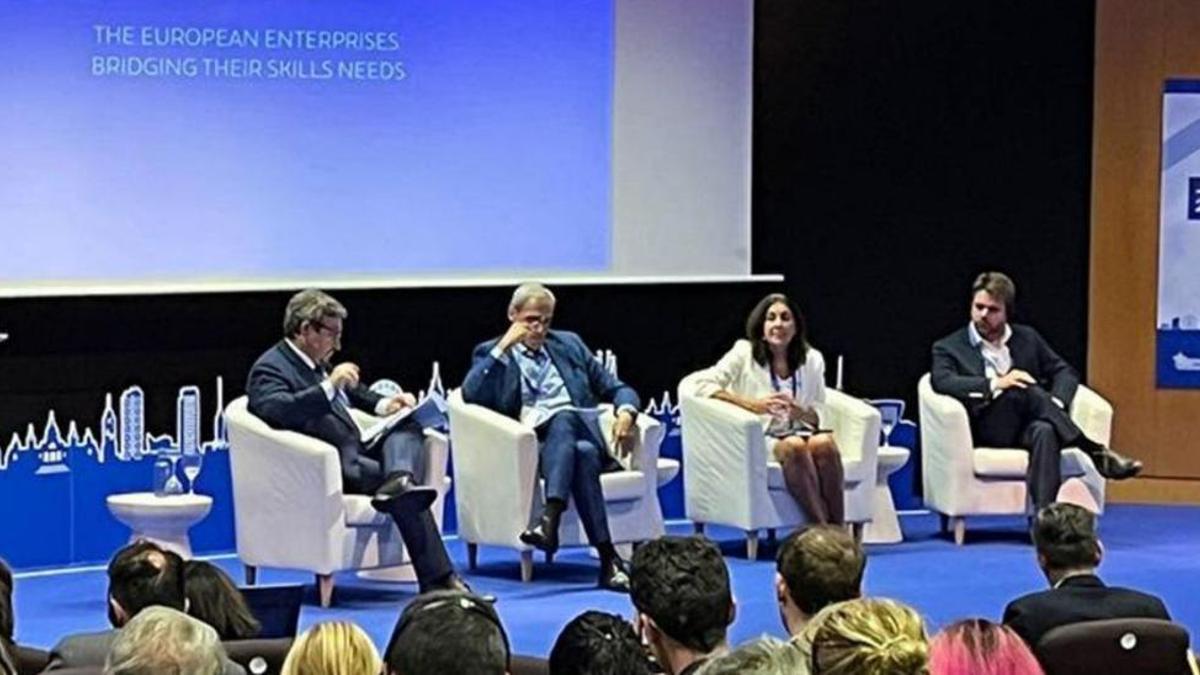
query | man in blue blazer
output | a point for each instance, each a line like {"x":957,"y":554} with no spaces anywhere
{"x":1017,"y":390}
{"x":293,"y":386}
{"x":550,"y":380}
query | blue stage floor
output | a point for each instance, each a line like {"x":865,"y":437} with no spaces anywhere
{"x":1152,"y":548}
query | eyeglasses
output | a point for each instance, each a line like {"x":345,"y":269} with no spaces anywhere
{"x":333,"y":331}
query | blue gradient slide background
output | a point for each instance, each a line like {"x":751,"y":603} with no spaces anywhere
{"x":492,"y":154}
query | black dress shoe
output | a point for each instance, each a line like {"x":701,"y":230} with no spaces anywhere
{"x":400,"y":495}
{"x":543,"y":537}
{"x":613,"y":576}
{"x":1115,"y":466}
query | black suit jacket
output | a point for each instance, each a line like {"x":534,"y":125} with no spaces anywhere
{"x":958,"y":368}
{"x":1077,"y":599}
{"x":286,"y":394}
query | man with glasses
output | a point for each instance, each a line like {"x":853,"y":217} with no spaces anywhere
{"x":294,"y":386}
{"x":549,"y":380}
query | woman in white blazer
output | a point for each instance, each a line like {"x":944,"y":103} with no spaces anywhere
{"x":776,"y":374}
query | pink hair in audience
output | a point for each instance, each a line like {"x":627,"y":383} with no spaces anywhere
{"x":980,"y":647}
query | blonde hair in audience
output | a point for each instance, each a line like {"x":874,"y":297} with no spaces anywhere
{"x":764,"y":656}
{"x":868,"y":636}
{"x":333,"y":648}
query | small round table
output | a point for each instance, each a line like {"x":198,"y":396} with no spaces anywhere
{"x":162,"y":520}
{"x":884,"y":527}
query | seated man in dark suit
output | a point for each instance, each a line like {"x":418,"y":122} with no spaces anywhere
{"x":1016,"y":390}
{"x":1068,"y":552}
{"x":140,"y":575}
{"x":293,"y":386}
{"x":549,"y":380}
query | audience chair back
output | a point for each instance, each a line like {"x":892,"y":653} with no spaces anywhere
{"x":259,"y":657}
{"x":277,"y":608}
{"x":1115,"y":646}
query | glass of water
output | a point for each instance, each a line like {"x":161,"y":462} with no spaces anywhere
{"x":192,"y":461}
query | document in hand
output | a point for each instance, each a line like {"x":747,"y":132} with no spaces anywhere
{"x":430,"y":413}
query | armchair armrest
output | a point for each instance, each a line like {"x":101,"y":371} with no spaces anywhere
{"x":1092,"y":414}
{"x":647,"y":438}
{"x":724,"y":459}
{"x":285,"y":484}
{"x":855,"y":425}
{"x":495,"y":471}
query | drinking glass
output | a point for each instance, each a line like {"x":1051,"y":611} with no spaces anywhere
{"x":192,"y":461}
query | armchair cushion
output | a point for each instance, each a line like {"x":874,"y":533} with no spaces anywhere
{"x":1014,"y":463}
{"x":620,"y":486}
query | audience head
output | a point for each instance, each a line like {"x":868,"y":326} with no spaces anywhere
{"x":448,"y":632}
{"x":766,"y":656}
{"x":313,"y":322}
{"x":1066,"y":540}
{"x":213,"y":598}
{"x":817,"y":567}
{"x":140,"y":575}
{"x":595,"y":643}
{"x":332,"y":648}
{"x":532,"y":304}
{"x":980,"y":647}
{"x":165,"y":641}
{"x":680,"y":587}
{"x":992,"y":303}
{"x":776,"y":323}
{"x":867,"y":636}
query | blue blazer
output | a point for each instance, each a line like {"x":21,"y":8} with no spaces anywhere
{"x":496,"y":385}
{"x":286,"y":394}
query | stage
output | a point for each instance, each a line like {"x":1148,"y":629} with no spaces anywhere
{"x":1151,"y":548}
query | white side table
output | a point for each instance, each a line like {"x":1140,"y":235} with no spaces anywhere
{"x":163,"y":520}
{"x":884,"y":527}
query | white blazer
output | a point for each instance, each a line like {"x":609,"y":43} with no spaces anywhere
{"x":737,"y":372}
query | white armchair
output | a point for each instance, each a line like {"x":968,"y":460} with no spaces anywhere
{"x":290,"y":511}
{"x":499,"y":492}
{"x":730,"y":478}
{"x":963,"y":480}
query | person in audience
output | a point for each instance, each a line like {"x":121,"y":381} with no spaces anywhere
{"x":765,"y":656}
{"x":1017,"y":390}
{"x":596,"y":643}
{"x":161,"y":640}
{"x":8,"y":650}
{"x":294,"y":386}
{"x":549,"y":380}
{"x":867,"y":636}
{"x":448,"y":632}
{"x":817,"y":567}
{"x":140,"y":575}
{"x":213,"y":598}
{"x":980,"y":647}
{"x":1069,"y":551}
{"x":777,"y":375}
{"x":680,"y":589}
{"x":333,"y":648}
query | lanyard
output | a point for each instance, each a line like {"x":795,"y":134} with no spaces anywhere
{"x":775,"y":383}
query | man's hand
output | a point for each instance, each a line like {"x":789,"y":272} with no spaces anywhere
{"x":344,"y":375}
{"x":1014,"y":378}
{"x":399,"y":402}
{"x":622,"y":433}
{"x":516,"y":332}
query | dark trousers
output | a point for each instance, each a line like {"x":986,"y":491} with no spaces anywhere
{"x":571,"y":463}
{"x":1029,"y":418}
{"x":364,"y":469}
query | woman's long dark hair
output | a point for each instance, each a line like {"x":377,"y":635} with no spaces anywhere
{"x":214,"y":599}
{"x":797,"y":349}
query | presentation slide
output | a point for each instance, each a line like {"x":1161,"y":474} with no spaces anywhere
{"x":311,"y":141}
{"x":148,"y":139}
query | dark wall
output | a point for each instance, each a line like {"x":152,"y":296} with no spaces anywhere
{"x":900,"y":147}
{"x":903,"y":146}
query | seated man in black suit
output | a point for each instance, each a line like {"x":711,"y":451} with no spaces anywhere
{"x":1068,"y":552}
{"x":140,"y":575}
{"x":1016,"y":390}
{"x":293,"y":386}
